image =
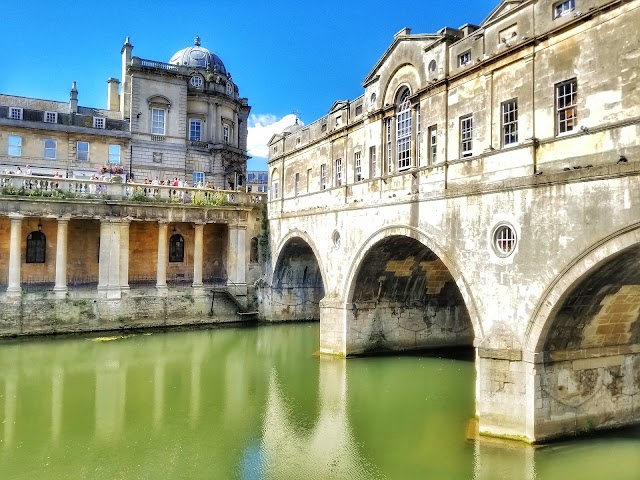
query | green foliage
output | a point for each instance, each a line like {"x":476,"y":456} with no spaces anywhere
{"x":9,"y":190}
{"x":210,"y":199}
{"x":139,"y":196}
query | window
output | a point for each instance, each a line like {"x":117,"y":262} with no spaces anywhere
{"x":50,"y":117}
{"x":372,"y":162}
{"x":338,"y":172}
{"x":176,"y":248}
{"x":297,"y":184}
{"x":275,"y":149}
{"x":562,"y":8}
{"x":308,"y":180}
{"x":114,"y":154}
{"x":14,"y":148}
{"x":36,"y":247}
{"x":418,"y":136}
{"x":504,"y":240}
{"x":464,"y":58}
{"x":387,"y":123}
{"x":50,"y":147}
{"x":274,"y":190}
{"x":229,"y":88}
{"x":15,"y":113}
{"x":510,"y":122}
{"x":198,"y":177}
{"x":466,"y":136}
{"x":324,"y":127}
{"x":433,"y":144}
{"x":566,"y":110}
{"x":195,"y":128}
{"x":323,"y":176}
{"x":157,"y":121}
{"x":358,"y":110}
{"x":196,"y":81}
{"x":99,"y":122}
{"x":226,"y":132}
{"x":357,"y":163}
{"x":82,"y":154}
{"x":403,"y":133}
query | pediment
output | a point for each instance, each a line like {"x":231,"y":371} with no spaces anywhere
{"x":502,"y":9}
{"x":338,"y":105}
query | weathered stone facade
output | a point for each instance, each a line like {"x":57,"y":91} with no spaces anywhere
{"x":507,"y":153}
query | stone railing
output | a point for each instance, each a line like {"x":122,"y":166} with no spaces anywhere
{"x":69,"y":188}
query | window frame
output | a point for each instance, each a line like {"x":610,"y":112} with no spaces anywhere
{"x":198,"y":177}
{"x":373,"y":160}
{"x":404,"y":127}
{"x":509,"y":122}
{"x":17,"y":147}
{"x":113,"y":159}
{"x":156,"y":123}
{"x":466,"y":136}
{"x":464,"y":58}
{"x":560,"y":95}
{"x":193,"y":122}
{"x":78,"y":156}
{"x":50,"y":117}
{"x":562,"y":8}
{"x":226,"y":132}
{"x":323,"y":176}
{"x":50,"y":149}
{"x":357,"y":166}
{"x":433,"y":144}
{"x":388,"y":150}
{"x":15,"y":113}
{"x":36,"y":251}
{"x":338,"y":172}
{"x":296,"y":184}
{"x":99,"y":122}
{"x":176,"y":248}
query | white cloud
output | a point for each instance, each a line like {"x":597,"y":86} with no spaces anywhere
{"x":261,"y":128}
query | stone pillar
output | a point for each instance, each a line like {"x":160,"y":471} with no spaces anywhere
{"x":109,"y":264}
{"x":15,"y":255}
{"x":237,"y":264}
{"x":61,"y":256}
{"x":333,"y":330}
{"x":198,"y":254}
{"x":124,"y":255}
{"x":163,"y":256}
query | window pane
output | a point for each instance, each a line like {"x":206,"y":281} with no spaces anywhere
{"x":157,"y":121}
{"x":114,"y":153}
{"x":83,"y":151}
{"x":14,"y":146}
{"x":50,"y":145}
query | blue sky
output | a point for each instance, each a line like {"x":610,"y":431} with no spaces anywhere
{"x":284,"y":55}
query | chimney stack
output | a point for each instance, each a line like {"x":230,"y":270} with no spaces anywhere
{"x":113,"y":98}
{"x":73,"y":99}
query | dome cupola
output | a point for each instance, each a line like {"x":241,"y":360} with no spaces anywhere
{"x":198,"y":57}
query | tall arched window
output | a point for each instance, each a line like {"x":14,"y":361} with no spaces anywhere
{"x":36,"y":247}
{"x":253,"y":253}
{"x":176,"y":248}
{"x":403,"y":132}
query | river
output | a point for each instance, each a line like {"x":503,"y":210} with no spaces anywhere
{"x":257,"y":403}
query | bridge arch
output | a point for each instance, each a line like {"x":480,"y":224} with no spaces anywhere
{"x":587,"y":266}
{"x":404,"y":284}
{"x":298,"y":279}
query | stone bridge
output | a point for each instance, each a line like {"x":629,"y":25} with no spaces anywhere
{"x":540,"y":275}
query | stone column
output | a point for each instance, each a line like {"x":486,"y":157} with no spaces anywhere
{"x":163,"y":256}
{"x":124,"y":255}
{"x":15,"y":255}
{"x":109,"y":264}
{"x":198,"y":254}
{"x":236,"y":260}
{"x":61,"y":256}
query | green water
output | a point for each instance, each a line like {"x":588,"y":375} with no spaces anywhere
{"x":255,"y":403}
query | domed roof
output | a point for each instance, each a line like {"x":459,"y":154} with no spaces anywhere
{"x":199,"y":57}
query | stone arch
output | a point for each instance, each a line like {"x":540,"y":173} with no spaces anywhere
{"x":405,"y":76}
{"x":416,"y":291}
{"x":575,"y":274}
{"x":298,"y":280}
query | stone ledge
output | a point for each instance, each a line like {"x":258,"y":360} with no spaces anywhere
{"x":500,"y":354}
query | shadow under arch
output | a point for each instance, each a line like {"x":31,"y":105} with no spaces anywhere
{"x":425,"y":287}
{"x":298,"y":279}
{"x":583,"y":267}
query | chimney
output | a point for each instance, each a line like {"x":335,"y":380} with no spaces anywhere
{"x":125,"y":98}
{"x":113,"y":99}
{"x":73,"y":99}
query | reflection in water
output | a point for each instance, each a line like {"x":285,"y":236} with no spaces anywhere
{"x":253,"y":403}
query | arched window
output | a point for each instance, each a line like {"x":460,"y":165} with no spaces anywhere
{"x":36,"y":247}
{"x":176,"y":248}
{"x":403,"y":132}
{"x":253,"y":253}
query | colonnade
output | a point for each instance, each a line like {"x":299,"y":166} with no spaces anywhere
{"x":113,"y":267}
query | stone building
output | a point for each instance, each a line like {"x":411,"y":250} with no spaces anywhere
{"x":187,"y":117}
{"x":82,"y":250}
{"x":483,"y":192}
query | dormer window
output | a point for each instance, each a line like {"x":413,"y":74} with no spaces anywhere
{"x":229,"y":88}
{"x":464,"y":58}
{"x":563,"y":8}
{"x":15,"y":113}
{"x":99,"y":122}
{"x":50,"y":117}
